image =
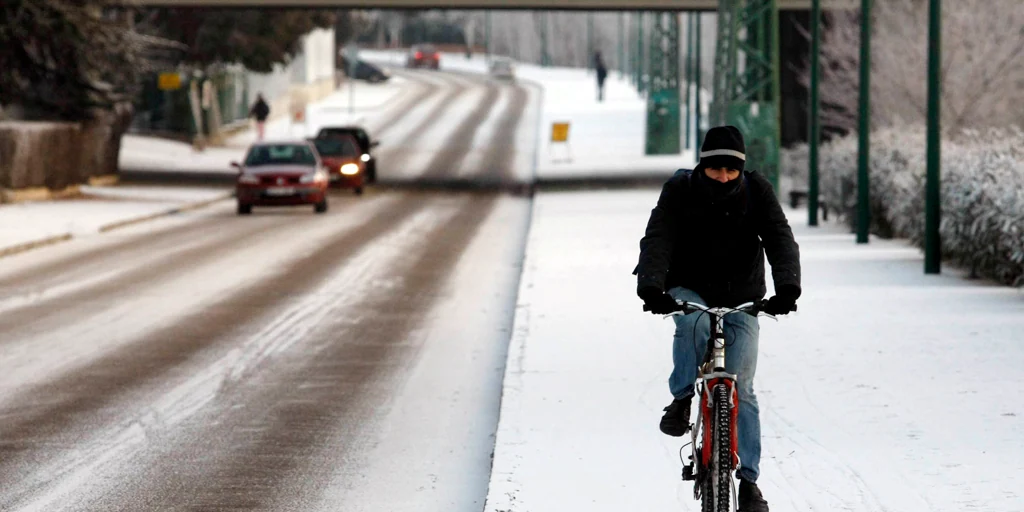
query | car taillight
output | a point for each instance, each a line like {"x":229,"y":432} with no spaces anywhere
{"x":419,"y":55}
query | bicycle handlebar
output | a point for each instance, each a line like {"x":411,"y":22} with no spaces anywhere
{"x":753,"y":308}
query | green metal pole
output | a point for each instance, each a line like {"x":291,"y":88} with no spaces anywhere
{"x":932,"y":205}
{"x":621,"y":64}
{"x":590,"y":40}
{"x":545,"y":59}
{"x":487,"y":34}
{"x":776,"y":93}
{"x":642,"y":61}
{"x":815,"y":135}
{"x":864,"y":125}
{"x":696,"y":78}
{"x":688,"y":65}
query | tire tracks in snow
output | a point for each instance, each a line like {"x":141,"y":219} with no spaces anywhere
{"x":99,"y":386}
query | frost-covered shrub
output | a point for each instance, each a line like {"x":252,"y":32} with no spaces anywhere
{"x":982,"y":196}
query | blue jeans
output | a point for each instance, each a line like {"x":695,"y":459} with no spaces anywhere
{"x":689,"y":344}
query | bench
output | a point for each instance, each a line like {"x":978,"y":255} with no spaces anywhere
{"x":796,"y":196}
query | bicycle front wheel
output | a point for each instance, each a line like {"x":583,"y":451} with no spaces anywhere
{"x":718,"y":489}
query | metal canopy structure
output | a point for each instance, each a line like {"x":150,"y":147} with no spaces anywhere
{"x":599,"y":5}
{"x":746,"y":81}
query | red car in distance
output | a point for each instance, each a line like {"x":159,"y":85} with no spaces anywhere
{"x":281,"y":174}
{"x":345,"y":162}
{"x":423,"y":56}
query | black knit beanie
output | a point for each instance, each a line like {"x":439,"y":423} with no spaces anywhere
{"x":723,"y":147}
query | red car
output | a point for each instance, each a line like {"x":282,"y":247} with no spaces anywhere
{"x":281,"y":174}
{"x":345,"y":162}
{"x":423,"y":56}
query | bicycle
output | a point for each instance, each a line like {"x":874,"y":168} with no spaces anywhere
{"x":713,"y":433}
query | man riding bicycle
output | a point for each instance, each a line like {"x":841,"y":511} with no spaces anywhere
{"x":705,"y":242}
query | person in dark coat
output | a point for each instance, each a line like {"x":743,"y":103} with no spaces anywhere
{"x":260,"y":111}
{"x":602,"y":74}
{"x":705,"y":242}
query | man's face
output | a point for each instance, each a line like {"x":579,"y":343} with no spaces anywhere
{"x":722,"y":175}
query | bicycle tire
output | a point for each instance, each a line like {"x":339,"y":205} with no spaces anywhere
{"x":722,"y":451}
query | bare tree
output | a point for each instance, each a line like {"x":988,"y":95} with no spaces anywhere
{"x":982,"y":64}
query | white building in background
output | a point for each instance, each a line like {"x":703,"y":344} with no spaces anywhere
{"x":308,"y":77}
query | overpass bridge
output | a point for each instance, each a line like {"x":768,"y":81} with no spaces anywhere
{"x":595,"y":5}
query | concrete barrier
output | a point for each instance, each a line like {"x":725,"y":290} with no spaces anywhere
{"x":39,"y":160}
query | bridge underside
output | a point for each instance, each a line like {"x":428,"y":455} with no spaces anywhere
{"x":600,"y":5}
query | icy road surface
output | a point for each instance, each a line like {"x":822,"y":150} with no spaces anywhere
{"x":280,"y":361}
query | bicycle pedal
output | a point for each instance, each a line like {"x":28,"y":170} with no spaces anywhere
{"x":688,"y":473}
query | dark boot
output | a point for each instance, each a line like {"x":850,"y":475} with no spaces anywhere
{"x":750,"y":499}
{"x":676,"y":421}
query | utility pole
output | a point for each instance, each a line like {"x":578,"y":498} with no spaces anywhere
{"x":864,"y":125}
{"x":814,"y":136}
{"x":932,"y":205}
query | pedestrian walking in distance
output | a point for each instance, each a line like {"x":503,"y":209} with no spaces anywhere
{"x":260,"y":110}
{"x":602,"y":74}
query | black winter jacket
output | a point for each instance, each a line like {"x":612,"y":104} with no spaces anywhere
{"x":717,"y":247}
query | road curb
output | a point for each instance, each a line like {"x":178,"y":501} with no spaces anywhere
{"x":65,"y":237}
{"x":164,"y":213}
{"x":28,"y":246}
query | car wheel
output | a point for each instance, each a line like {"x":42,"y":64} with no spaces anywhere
{"x":320,"y":207}
{"x":359,"y":191}
{"x":244,"y":209}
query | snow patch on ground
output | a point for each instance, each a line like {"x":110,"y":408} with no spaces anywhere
{"x":29,"y":222}
{"x":889,"y":390}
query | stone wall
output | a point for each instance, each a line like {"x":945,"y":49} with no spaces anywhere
{"x":57,"y":156}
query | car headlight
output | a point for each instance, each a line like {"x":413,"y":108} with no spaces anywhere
{"x":350,"y":169}
{"x":249,"y":179}
{"x":365,"y":157}
{"x":314,"y":177}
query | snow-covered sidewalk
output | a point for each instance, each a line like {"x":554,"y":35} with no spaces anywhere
{"x":890,"y":390}
{"x":24,"y":226}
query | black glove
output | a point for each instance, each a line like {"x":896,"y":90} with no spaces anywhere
{"x":657,"y":301}
{"x":784,"y":301}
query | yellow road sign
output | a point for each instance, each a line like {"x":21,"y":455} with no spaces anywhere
{"x":169,"y":81}
{"x":559,"y":132}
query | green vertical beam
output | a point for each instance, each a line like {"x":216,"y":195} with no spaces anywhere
{"x":662,"y":136}
{"x":932,"y":201}
{"x":698,"y":133}
{"x":641,"y":86}
{"x":590,"y":40}
{"x":689,"y":77}
{"x":545,"y":56}
{"x":814,"y":135}
{"x":864,"y":125}
{"x":621,"y":61}
{"x":487,"y":34}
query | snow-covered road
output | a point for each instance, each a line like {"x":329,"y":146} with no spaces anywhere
{"x":284,"y":360}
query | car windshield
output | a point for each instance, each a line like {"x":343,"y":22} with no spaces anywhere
{"x":280,"y":154}
{"x":361,"y":136}
{"x":335,"y":146}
